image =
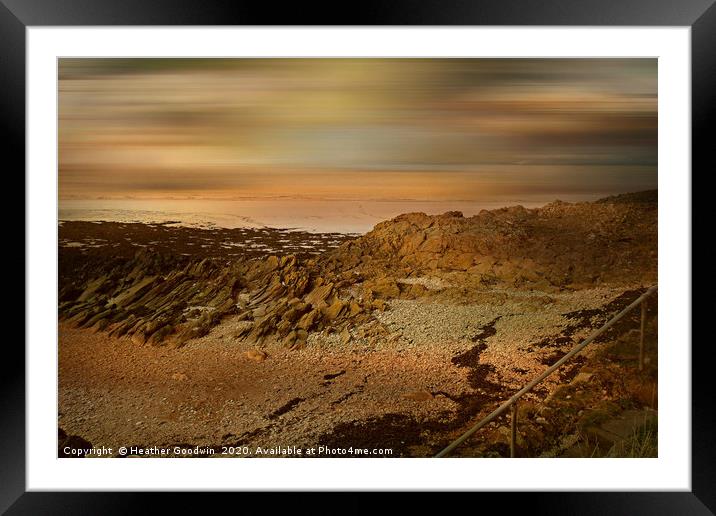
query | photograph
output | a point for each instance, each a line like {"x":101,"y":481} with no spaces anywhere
{"x":379,"y":257}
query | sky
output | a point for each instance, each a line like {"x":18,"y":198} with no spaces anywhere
{"x":447,"y":129}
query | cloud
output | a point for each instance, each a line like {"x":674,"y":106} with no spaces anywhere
{"x":176,"y":125}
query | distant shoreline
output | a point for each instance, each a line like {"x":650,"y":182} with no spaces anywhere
{"x":350,"y":217}
{"x":109,"y":239}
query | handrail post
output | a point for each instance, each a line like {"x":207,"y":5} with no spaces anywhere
{"x":513,"y":438}
{"x":641,"y":335}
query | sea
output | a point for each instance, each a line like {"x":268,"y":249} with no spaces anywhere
{"x":313,"y":215}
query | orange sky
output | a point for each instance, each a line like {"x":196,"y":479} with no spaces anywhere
{"x":355,"y":128}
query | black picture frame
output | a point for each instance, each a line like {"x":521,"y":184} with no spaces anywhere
{"x":700,"y":15}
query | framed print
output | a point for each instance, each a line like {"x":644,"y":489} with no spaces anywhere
{"x":434,"y":248}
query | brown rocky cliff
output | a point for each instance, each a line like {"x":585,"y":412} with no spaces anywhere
{"x":559,"y":245}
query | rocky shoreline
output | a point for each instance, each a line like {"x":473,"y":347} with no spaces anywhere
{"x":401,"y":336}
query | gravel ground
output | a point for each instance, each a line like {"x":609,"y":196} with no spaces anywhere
{"x":114,"y":392}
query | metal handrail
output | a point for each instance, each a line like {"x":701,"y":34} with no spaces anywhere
{"x":576,"y":349}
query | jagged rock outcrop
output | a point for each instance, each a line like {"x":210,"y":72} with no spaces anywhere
{"x":152,"y":300}
{"x":558,"y":245}
{"x":160,"y":299}
{"x":71,"y":446}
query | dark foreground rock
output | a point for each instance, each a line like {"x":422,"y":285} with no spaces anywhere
{"x":71,"y":446}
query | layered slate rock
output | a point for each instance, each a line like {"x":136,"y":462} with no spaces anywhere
{"x":158,"y":297}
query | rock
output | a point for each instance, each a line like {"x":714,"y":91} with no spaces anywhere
{"x":296,"y":311}
{"x":411,"y":243}
{"x":421,"y":395}
{"x":456,"y":261}
{"x":355,"y":308}
{"x":243,"y":328}
{"x":385,"y":288}
{"x":288,"y":262}
{"x":308,"y":320}
{"x":379,"y":304}
{"x":180,"y":377}
{"x":99,"y":326}
{"x":92,"y":288}
{"x":417,"y":290}
{"x":259,"y":312}
{"x":256,"y":355}
{"x":284,"y":328}
{"x":317,"y":297}
{"x":335,"y":310}
{"x":435,"y":243}
{"x":158,"y":336}
{"x":272,"y":263}
{"x":67,"y":443}
{"x":300,"y":341}
{"x":582,"y":377}
{"x":334,"y":374}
